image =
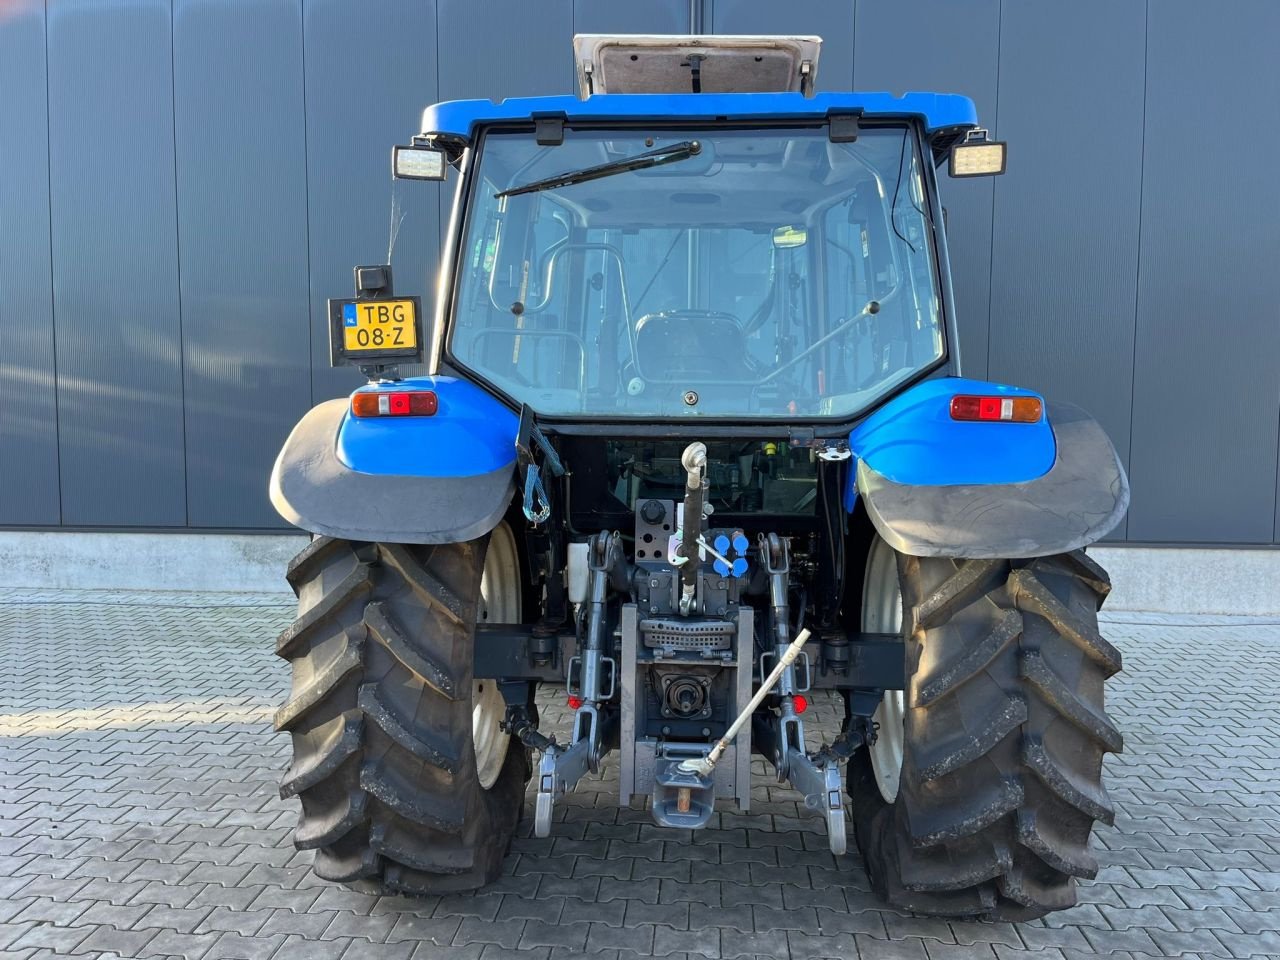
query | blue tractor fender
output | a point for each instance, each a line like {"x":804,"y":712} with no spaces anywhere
{"x":938,"y":487}
{"x":442,"y":478}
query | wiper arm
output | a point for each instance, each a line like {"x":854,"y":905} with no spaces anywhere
{"x":643,"y":161}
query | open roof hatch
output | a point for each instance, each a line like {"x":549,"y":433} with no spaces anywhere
{"x":695,"y":64}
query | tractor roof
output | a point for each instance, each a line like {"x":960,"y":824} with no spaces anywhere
{"x":938,"y":111}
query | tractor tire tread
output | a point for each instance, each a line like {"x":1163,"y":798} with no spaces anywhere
{"x":338,"y":746}
{"x":420,"y":743}
{"x":1005,"y":736}
{"x":317,"y":617}
{"x":952,"y":674}
{"x":380,"y":717}
{"x":314,"y":555}
{"x":1031,"y":595}
{"x":424,"y":584}
{"x":307,"y":696}
{"x":420,"y":663}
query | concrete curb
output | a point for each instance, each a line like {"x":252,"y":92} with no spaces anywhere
{"x":148,"y":561}
{"x":1155,"y":579}
{"x":1193,"y":580}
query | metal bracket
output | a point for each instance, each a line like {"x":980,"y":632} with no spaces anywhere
{"x":575,"y":663}
{"x":843,"y":127}
{"x":548,"y":131}
{"x":797,"y":685}
{"x":684,"y":799}
{"x":517,"y":651}
{"x":798,"y":436}
{"x":835,"y":451}
{"x":858,"y":731}
{"x":559,"y":771}
{"x":781,"y":740}
{"x":823,"y":794}
{"x":561,"y":768}
{"x":517,"y":720}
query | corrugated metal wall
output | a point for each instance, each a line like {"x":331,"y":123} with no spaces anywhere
{"x":184,"y":182}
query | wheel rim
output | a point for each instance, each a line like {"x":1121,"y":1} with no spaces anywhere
{"x":882,"y":613}
{"x":499,"y":603}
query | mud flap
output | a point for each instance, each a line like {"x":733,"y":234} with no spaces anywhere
{"x":314,"y":490}
{"x":1081,"y":499}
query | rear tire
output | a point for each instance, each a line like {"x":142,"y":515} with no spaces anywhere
{"x":404,"y":788}
{"x":1003,"y":734}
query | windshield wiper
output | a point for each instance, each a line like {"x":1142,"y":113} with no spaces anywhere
{"x":643,"y":161}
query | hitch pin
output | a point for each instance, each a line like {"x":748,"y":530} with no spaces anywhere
{"x":704,"y":765}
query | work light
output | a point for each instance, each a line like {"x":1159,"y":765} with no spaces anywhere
{"x":976,"y":156}
{"x":417,"y":163}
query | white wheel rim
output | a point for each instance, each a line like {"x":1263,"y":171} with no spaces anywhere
{"x":882,"y":613}
{"x":500,"y":602}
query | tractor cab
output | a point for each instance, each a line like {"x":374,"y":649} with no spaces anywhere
{"x":699,"y":237}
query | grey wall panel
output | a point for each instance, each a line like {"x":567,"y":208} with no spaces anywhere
{"x":627,"y":16}
{"x":950,"y":46}
{"x":115,"y":263}
{"x":28,"y":399}
{"x":1205,"y":383}
{"x":527,"y":52}
{"x":832,"y":20}
{"x":527,"y":49}
{"x":370,"y":71}
{"x":242,"y":230}
{"x":1065,"y":254}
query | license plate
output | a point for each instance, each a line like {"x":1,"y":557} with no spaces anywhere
{"x":372,"y":326}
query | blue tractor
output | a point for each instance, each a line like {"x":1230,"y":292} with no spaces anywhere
{"x":693,"y":444}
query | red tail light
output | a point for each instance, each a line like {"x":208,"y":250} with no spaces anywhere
{"x":1007,"y":409}
{"x":398,"y":403}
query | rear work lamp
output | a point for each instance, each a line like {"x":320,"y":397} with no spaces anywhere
{"x":417,"y":163}
{"x":976,"y":156}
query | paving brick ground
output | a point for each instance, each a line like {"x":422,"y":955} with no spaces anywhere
{"x":139,"y":818}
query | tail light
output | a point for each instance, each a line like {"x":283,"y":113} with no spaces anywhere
{"x":1008,"y":409}
{"x":395,"y":403}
